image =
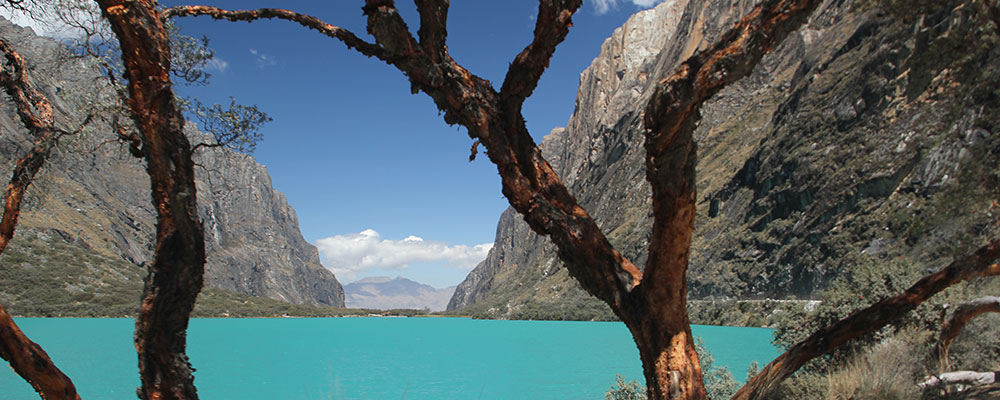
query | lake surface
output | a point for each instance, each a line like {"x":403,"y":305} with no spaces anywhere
{"x":372,"y":358}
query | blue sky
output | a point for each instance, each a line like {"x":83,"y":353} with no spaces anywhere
{"x":380,"y":183}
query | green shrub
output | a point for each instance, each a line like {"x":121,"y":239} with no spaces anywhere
{"x":869,"y":282}
{"x":622,"y":390}
{"x":719,"y":382}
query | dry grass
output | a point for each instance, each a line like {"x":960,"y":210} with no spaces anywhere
{"x":885,"y":372}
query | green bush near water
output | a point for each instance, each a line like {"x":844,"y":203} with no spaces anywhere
{"x":719,"y":382}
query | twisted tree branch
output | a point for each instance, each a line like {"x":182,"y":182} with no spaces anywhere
{"x":351,"y":40}
{"x":978,"y":264}
{"x":964,"y":313}
{"x":679,"y":97}
{"x":27,"y":358}
{"x":551,"y":27}
{"x":433,"y":28}
{"x":176,"y":272}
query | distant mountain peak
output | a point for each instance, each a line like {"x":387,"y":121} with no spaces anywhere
{"x":374,"y":279}
{"x":384,"y":293}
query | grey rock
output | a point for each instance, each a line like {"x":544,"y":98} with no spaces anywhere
{"x":96,"y":193}
{"x":853,"y":142}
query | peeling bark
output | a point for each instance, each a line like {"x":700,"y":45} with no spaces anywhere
{"x":651,"y":305}
{"x":964,"y":313}
{"x":978,"y":264}
{"x":176,"y":273}
{"x":670,"y":119}
{"x":27,"y":358}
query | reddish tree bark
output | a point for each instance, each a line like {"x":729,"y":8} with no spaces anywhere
{"x":26,"y":357}
{"x":653,"y":305}
{"x":964,"y":313}
{"x":662,"y":328}
{"x":175,"y":275}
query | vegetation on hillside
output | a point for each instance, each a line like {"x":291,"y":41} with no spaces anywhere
{"x":46,"y":274}
{"x":651,"y":304}
{"x":888,"y":363}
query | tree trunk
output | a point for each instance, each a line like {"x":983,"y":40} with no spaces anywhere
{"x":27,"y":358}
{"x":175,"y":275}
{"x":651,"y":303}
{"x":672,"y":369}
{"x":666,"y":348}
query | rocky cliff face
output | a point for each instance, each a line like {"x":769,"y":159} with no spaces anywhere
{"x":864,"y":138}
{"x":94,"y":195}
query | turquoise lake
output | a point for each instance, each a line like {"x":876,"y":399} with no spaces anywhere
{"x":373,"y":358}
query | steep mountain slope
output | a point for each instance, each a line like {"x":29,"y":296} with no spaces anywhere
{"x":386,"y":293}
{"x":863,"y":137}
{"x":94,"y":197}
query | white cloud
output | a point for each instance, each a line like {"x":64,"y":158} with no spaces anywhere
{"x":603,"y":6}
{"x":216,"y":64}
{"x":263,"y":59}
{"x":350,"y":254}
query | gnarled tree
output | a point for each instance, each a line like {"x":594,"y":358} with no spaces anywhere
{"x":26,"y":357}
{"x":176,"y":273}
{"x":652,"y":302}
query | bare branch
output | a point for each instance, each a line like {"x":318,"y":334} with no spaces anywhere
{"x":964,"y":313}
{"x":25,"y":96}
{"x":551,"y":27}
{"x":530,"y":184}
{"x":978,"y":264}
{"x":389,"y":29}
{"x":670,"y":119}
{"x":734,"y":55}
{"x":26,"y":357}
{"x":433,"y":28}
{"x":347,"y":37}
{"x":474,"y":151}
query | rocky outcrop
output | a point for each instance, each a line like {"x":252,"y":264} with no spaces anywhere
{"x":599,"y":157}
{"x":254,"y":245}
{"x":96,"y":196}
{"x":847,"y":145}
